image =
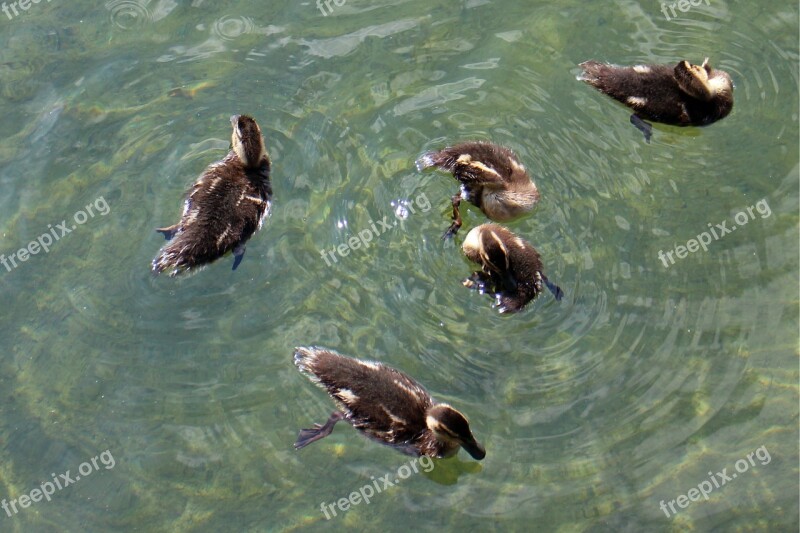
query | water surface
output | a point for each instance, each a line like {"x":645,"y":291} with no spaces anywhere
{"x":593,"y":410}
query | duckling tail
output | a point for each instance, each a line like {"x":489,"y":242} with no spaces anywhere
{"x":592,"y":71}
{"x":426,"y":161}
{"x":511,"y":303}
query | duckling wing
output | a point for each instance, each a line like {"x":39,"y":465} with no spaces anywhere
{"x":494,"y":253}
{"x":475,"y":163}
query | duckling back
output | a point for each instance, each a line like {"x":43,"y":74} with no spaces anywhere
{"x":682,"y":94}
{"x":512,"y":267}
{"x":372,"y":396}
{"x":491,"y":177}
{"x":224,"y":207}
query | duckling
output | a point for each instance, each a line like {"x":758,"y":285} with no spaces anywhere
{"x":492,"y":179}
{"x":681,"y":95}
{"x":511,"y":267}
{"x":386,"y":405}
{"x":224,"y":207}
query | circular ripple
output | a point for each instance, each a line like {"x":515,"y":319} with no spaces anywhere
{"x":229,"y":28}
{"x":128,"y":14}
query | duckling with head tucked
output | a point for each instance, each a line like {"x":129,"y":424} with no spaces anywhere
{"x":492,"y":179}
{"x":386,"y":405}
{"x":223,"y":208}
{"x":681,"y":95}
{"x":511,"y":269}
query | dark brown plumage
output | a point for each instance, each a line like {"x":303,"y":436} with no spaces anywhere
{"x":682,"y":95}
{"x":491,"y":177}
{"x":386,"y":405}
{"x":511,"y":267}
{"x":224,"y":207}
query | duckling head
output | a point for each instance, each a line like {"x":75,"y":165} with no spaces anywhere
{"x":703,"y":81}
{"x":452,"y":428}
{"x":482,"y":243}
{"x":247,"y":141}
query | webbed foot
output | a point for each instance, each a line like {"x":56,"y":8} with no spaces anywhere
{"x":238,"y":255}
{"x":307,"y":436}
{"x":645,"y":127}
{"x":555,"y":289}
{"x":477,"y":281}
{"x":168,"y":232}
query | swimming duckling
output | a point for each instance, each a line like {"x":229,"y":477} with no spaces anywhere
{"x":682,"y":95}
{"x":384,"y":404}
{"x":491,"y":176}
{"x":224,"y":207}
{"x":511,"y":267}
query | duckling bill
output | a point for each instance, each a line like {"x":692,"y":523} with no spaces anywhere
{"x":224,"y":207}
{"x":491,"y":177}
{"x":511,"y":269}
{"x":385,"y":405}
{"x":681,"y":95}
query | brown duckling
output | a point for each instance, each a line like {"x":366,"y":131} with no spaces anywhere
{"x":224,"y":208}
{"x":511,"y":268}
{"x":384,"y":404}
{"x":681,"y":95}
{"x":492,"y":179}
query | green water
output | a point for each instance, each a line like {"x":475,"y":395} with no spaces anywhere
{"x":593,"y":410}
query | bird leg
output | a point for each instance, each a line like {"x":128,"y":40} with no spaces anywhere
{"x":307,"y":436}
{"x":454,"y":227}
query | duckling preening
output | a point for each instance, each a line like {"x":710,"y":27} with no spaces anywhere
{"x":224,"y":207}
{"x":511,"y":268}
{"x":491,"y":177}
{"x":386,"y":405}
{"x":681,"y":95}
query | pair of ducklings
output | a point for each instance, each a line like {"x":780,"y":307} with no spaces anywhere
{"x":230,"y":201}
{"x":222,"y":210}
{"x":494,"y":180}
